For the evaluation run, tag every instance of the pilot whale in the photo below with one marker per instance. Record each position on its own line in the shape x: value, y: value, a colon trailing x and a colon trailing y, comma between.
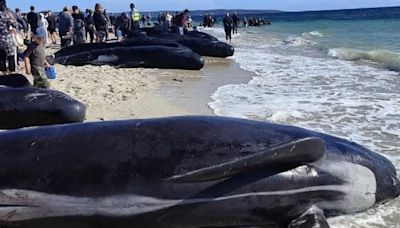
x: 139, y: 52
x: 29, y: 106
x: 190, y: 171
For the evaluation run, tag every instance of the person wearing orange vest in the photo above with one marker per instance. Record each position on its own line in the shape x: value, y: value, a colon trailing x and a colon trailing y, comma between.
x: 135, y: 18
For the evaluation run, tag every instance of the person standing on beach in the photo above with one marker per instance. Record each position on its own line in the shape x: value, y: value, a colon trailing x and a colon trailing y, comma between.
x: 8, y: 24
x: 168, y: 19
x: 143, y: 19
x: 122, y: 26
x: 90, y: 28
x: 135, y: 18
x: 101, y: 23
x: 228, y: 25
x: 35, y: 60
x: 148, y: 19
x: 51, y: 20
x: 22, y: 24
x: 108, y: 23
x: 65, y: 27
x: 79, y: 25
x: 33, y: 19
x: 42, y: 23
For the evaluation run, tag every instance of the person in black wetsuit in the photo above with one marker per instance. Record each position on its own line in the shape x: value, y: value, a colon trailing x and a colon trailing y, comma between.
x: 101, y: 23
x: 33, y: 19
x: 236, y: 22
x: 228, y: 26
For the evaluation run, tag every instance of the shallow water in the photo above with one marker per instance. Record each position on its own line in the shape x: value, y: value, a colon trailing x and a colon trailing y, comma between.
x: 338, y: 77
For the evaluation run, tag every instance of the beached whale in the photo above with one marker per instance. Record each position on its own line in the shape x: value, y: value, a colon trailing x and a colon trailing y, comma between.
x: 138, y: 52
x: 201, y: 43
x: 28, y: 106
x: 163, y: 30
x: 14, y: 80
x: 204, y: 35
x: 185, y: 172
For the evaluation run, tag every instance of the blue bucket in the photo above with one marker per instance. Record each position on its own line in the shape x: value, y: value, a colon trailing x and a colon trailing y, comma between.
x: 50, y: 72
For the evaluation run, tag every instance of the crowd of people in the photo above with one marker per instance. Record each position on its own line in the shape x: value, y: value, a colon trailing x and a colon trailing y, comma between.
x: 231, y: 23
x: 209, y: 21
x: 13, y: 23
x: 35, y: 30
x: 23, y: 36
x: 256, y: 21
x: 75, y: 27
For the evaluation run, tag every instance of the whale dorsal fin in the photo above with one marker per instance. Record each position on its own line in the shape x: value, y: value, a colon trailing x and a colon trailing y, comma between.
x: 281, y: 158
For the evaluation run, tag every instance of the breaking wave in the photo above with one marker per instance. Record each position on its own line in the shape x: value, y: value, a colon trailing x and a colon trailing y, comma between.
x: 385, y: 58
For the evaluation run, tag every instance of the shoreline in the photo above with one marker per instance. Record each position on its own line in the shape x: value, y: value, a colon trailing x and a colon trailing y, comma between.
x: 192, y: 90
x: 117, y: 94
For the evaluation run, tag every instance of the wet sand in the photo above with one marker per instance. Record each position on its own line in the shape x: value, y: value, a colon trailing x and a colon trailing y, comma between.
x: 112, y: 94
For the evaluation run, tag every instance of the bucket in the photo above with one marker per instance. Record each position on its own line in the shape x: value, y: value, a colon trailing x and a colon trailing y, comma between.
x: 50, y: 72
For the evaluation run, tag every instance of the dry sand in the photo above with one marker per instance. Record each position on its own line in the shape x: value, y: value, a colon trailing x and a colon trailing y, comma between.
x: 112, y: 94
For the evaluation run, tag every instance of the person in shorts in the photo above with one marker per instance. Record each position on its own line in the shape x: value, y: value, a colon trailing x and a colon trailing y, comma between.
x: 35, y: 60
x: 51, y: 19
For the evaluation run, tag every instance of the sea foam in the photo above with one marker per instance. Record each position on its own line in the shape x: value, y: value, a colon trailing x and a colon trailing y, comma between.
x: 348, y: 93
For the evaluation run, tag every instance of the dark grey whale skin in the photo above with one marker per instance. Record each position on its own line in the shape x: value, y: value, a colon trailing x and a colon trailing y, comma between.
x: 158, y: 158
x: 14, y: 80
x: 28, y: 106
x: 138, y: 52
x: 199, y: 42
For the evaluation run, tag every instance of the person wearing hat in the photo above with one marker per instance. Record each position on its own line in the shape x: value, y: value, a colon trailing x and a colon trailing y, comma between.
x: 35, y: 59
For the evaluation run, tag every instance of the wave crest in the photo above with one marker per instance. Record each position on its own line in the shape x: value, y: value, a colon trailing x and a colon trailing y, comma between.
x: 386, y: 58
x: 313, y: 33
x: 298, y: 41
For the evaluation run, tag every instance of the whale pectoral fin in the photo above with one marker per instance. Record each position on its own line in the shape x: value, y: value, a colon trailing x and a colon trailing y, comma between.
x: 278, y: 159
x: 313, y: 217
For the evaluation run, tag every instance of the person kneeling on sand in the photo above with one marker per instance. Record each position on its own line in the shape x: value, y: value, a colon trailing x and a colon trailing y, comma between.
x: 35, y: 60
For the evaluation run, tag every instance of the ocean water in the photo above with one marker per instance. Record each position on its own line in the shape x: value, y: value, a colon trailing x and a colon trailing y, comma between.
x: 336, y: 76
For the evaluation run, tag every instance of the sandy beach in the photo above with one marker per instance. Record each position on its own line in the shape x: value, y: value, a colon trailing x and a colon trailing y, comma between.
x: 111, y: 94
